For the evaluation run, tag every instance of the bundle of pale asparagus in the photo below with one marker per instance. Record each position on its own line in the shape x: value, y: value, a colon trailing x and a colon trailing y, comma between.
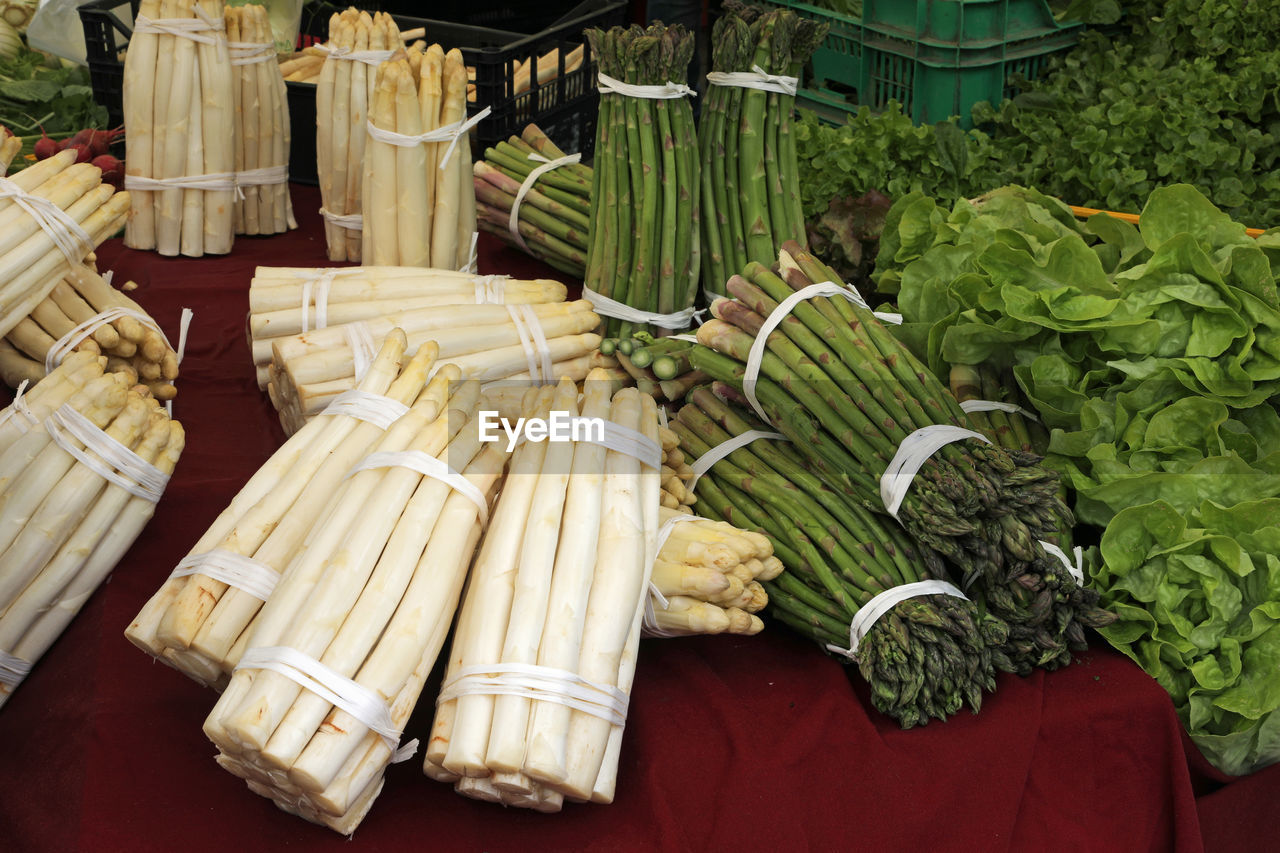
x: 358, y: 43
x: 52, y: 215
x: 419, y: 204
x: 315, y: 709
x: 534, y: 698
x: 84, y: 313
x: 305, y: 66
x: 288, y: 301
x: 707, y: 578
x: 83, y: 459
x: 199, y: 620
x: 178, y: 107
x: 553, y: 214
x: 677, y: 475
x: 262, y: 127
x: 535, y: 343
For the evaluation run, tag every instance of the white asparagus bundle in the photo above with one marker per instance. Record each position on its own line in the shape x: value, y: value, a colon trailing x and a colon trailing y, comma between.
x: 36, y: 254
x: 483, y: 341
x: 677, y: 474
x: 66, y: 520
x: 178, y: 102
x: 370, y: 599
x: 199, y: 622
x: 85, y: 313
x: 357, y: 43
x: 553, y: 611
x: 418, y: 192
x: 288, y: 301
x: 262, y: 130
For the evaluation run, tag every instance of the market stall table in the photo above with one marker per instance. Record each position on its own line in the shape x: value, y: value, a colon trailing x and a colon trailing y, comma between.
x: 759, y: 743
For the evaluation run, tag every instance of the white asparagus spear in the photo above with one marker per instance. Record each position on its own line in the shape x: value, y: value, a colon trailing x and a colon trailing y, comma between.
x: 193, y: 199
x: 169, y: 201
x: 324, y: 132
x: 340, y: 121
x: 548, y: 731
x: 233, y: 17
x: 360, y: 100
x: 412, y: 171
x: 453, y: 108
x: 214, y: 63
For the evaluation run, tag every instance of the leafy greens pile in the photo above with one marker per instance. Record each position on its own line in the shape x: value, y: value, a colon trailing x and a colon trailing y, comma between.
x: 38, y: 94
x: 1153, y: 352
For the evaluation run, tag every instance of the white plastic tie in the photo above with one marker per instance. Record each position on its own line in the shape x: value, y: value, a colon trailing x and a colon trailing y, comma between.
x: 357, y: 700
x: 664, y: 92
x: 450, y: 133
x: 68, y: 342
x: 197, y: 29
x: 756, y: 78
x: 491, y: 289
x: 349, y: 221
x: 317, y: 288
x: 13, y: 669
x: 265, y: 176
x: 251, y: 52
x: 543, y: 683
x: 607, y: 307
x: 372, y: 58
x: 996, y: 406
x: 913, y: 452
x: 214, y: 182
x: 19, y: 412
x: 1075, y: 569
x: 72, y: 240
x: 756, y: 355
x: 627, y: 441
x: 881, y: 604
x: 363, y: 351
x: 513, y: 221
x: 367, y: 406
x: 235, y: 570
x: 473, y: 257
x: 703, y: 463
x: 428, y: 466
x: 114, y: 462
x: 533, y: 342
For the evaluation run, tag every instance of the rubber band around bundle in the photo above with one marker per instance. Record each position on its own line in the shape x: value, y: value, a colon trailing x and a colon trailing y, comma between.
x: 213, y: 182
x: 235, y: 570
x: 912, y: 453
x: 542, y: 683
x: 755, y: 356
x: 614, y: 436
x: 756, y: 78
x: 336, y: 689
x: 349, y: 221
x: 13, y: 669
x: 321, y: 284
x: 68, y: 342
x: 251, y: 52
x: 450, y: 133
x: 19, y: 407
x: 533, y: 342
x: 363, y: 351
x: 996, y: 406
x: 372, y: 58
x: 513, y: 221
x: 882, y: 603
x: 703, y: 463
x: 263, y: 177
x: 376, y: 409
x: 114, y: 462
x: 606, y: 307
x: 194, y: 29
x: 1076, y: 569
x: 664, y: 92
x: 491, y: 289
x: 473, y: 257
x: 428, y: 466
x: 72, y: 240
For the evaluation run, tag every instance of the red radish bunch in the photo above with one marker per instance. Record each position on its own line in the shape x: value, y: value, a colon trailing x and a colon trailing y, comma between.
x: 88, y: 144
x: 112, y: 170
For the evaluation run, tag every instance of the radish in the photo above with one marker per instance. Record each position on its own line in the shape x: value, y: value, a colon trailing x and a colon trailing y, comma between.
x: 112, y: 170
x: 46, y: 146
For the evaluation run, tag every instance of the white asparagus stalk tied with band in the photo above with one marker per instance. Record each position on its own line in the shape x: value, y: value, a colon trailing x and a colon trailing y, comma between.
x: 84, y: 458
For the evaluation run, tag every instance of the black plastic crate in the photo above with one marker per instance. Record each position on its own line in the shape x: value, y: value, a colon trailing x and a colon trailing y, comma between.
x: 105, y: 35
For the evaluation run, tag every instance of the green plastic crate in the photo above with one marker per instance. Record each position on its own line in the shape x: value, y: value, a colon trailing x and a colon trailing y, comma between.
x: 936, y: 57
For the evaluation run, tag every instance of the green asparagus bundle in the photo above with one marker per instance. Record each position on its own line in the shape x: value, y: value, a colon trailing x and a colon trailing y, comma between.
x: 553, y: 216
x: 644, y: 239
x: 839, y: 385
x: 994, y: 412
x: 659, y: 366
x: 926, y: 656
x: 750, y: 201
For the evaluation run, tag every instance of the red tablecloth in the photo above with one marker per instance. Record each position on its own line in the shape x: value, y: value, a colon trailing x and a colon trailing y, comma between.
x: 736, y: 744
